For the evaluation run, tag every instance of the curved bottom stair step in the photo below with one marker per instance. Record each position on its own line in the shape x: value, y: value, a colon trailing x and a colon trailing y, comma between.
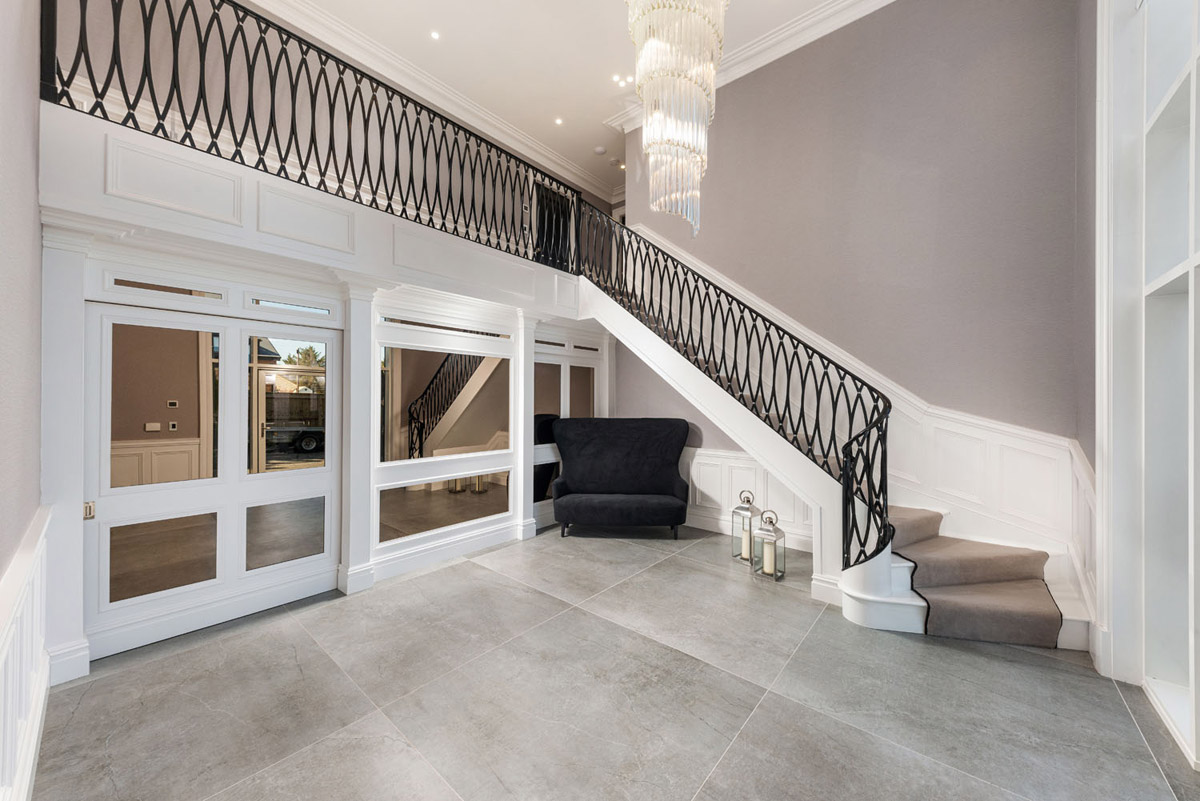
x: 1016, y: 612
x: 947, y: 560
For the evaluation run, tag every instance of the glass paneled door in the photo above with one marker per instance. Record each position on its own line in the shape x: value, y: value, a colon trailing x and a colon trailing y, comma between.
x: 212, y: 459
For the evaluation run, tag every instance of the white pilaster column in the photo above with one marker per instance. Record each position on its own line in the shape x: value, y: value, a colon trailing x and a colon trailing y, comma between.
x: 523, y: 426
x: 360, y: 389
x: 64, y: 339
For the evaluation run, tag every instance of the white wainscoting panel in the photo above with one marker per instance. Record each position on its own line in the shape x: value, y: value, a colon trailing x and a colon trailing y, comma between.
x: 717, y: 477
x: 137, y: 462
x: 300, y: 218
x: 143, y: 175
x: 24, y: 664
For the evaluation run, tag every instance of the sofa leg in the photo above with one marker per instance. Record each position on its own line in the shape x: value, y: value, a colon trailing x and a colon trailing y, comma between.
x: 565, y: 526
x: 675, y: 531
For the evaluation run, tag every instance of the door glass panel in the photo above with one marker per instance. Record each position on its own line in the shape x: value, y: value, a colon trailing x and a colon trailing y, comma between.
x: 404, y: 511
x: 281, y: 532
x: 287, y: 404
x: 164, y: 405
x: 583, y: 391
x: 161, y: 555
x: 547, y: 388
x: 434, y: 403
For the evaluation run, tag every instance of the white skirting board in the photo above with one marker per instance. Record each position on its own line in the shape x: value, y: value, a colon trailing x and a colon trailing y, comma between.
x: 24, y: 665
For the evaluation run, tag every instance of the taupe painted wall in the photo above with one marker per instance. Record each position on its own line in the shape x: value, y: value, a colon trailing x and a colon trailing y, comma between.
x: 21, y: 265
x: 151, y: 366
x: 641, y: 393
x: 1085, y: 231
x: 906, y: 187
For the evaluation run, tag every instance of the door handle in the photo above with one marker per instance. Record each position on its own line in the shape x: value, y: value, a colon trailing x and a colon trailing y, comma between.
x: 262, y: 430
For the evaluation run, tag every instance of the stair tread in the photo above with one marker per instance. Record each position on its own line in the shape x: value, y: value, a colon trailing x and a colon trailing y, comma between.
x: 944, y: 561
x: 913, y: 524
x: 1019, y: 612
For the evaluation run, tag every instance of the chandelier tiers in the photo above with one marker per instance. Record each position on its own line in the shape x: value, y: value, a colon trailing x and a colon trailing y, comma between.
x: 679, y: 45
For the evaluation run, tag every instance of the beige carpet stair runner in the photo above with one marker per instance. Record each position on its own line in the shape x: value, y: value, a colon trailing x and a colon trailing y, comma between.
x: 976, y: 591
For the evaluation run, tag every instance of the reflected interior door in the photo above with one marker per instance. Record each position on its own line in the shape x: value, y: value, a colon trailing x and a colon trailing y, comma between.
x: 287, y: 404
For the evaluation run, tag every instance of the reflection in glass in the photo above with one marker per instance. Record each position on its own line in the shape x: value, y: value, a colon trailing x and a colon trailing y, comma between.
x: 281, y: 532
x: 583, y: 391
x: 547, y: 388
x: 404, y: 511
x: 164, y: 405
x: 287, y: 404
x: 435, y: 403
x: 160, y: 555
x: 543, y: 477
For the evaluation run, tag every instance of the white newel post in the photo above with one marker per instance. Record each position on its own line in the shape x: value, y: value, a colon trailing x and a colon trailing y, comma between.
x: 63, y: 343
x: 522, y: 426
x: 359, y: 441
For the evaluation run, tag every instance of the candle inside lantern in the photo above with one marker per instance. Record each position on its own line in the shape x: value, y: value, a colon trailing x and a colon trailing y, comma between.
x: 768, y: 558
x: 745, y: 538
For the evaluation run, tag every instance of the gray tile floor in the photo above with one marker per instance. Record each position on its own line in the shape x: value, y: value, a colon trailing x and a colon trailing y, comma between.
x: 607, y: 665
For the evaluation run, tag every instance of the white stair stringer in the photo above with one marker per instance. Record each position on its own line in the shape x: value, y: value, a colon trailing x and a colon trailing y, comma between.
x: 461, y: 403
x: 791, y: 467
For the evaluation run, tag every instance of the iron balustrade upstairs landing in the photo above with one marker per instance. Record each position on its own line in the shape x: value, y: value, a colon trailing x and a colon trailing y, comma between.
x: 222, y: 79
x: 428, y: 408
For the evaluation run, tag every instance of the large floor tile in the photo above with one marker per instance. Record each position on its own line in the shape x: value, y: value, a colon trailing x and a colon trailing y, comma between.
x: 1184, y: 780
x: 187, y: 725
x: 1044, y: 728
x: 578, y: 708
x: 366, y: 761
x: 744, y: 625
x: 715, y: 551
x: 656, y: 537
x: 788, y: 751
x: 570, y: 568
x: 400, y: 634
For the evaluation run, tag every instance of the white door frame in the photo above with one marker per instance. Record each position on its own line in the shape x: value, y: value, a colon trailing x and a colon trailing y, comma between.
x: 114, y: 627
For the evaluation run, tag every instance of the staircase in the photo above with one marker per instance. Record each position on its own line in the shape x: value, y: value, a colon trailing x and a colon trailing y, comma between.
x: 811, y: 422
x: 976, y: 590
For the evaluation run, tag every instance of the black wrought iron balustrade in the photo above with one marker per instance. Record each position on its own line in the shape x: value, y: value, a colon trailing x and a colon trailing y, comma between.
x: 219, y: 78
x: 831, y: 415
x: 428, y: 409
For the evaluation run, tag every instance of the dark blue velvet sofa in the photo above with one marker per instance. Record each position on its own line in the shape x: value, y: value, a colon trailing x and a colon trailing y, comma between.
x: 620, y: 472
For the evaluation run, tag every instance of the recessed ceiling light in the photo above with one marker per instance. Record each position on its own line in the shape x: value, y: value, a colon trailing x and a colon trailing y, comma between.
x: 622, y: 84
x: 434, y: 35
x: 622, y: 166
x: 628, y: 79
x: 558, y: 121
x: 616, y: 78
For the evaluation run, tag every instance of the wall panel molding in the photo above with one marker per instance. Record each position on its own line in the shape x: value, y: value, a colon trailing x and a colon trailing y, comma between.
x: 24, y: 664
x: 143, y: 175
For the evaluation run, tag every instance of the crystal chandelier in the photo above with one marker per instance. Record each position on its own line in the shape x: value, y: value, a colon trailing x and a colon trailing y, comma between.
x: 679, y: 45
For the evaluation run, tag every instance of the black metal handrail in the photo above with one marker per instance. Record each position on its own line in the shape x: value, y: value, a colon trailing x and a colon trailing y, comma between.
x: 215, y: 76
x: 444, y: 387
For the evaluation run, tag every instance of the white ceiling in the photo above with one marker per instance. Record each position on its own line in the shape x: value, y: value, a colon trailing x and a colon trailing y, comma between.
x: 521, y: 64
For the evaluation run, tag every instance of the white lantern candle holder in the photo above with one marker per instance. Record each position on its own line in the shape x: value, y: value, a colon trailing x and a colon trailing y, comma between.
x: 743, y: 526
x: 770, y: 553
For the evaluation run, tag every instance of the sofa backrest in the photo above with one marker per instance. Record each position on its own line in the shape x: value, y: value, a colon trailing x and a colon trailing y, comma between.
x: 633, y: 456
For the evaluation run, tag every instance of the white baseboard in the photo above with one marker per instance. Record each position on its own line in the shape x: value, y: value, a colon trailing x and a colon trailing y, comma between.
x: 70, y: 661
x: 355, y: 579
x: 24, y: 664
x: 426, y: 554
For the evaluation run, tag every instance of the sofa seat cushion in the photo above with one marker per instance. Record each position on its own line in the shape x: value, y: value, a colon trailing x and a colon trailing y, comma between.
x: 620, y: 510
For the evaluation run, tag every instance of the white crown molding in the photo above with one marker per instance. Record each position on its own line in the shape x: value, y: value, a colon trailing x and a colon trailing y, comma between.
x: 618, y: 195
x: 792, y: 35
x: 319, y: 26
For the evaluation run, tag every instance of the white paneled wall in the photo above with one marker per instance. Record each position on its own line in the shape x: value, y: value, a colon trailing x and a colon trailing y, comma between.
x: 24, y: 665
x: 716, y: 477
